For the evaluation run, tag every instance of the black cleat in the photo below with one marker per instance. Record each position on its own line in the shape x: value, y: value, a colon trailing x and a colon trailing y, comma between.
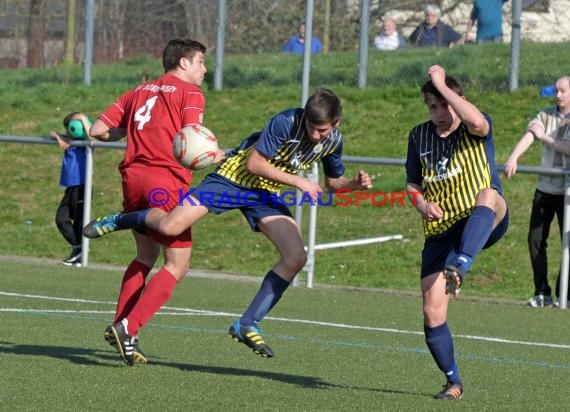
x: 138, y: 355
x: 124, y: 343
x: 451, y: 392
x: 252, y: 337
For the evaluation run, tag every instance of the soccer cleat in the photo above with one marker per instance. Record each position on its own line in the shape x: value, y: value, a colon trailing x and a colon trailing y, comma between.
x: 138, y: 355
x: 252, y: 337
x: 540, y: 301
x: 101, y: 226
x: 124, y: 343
x: 451, y: 392
x: 453, y: 280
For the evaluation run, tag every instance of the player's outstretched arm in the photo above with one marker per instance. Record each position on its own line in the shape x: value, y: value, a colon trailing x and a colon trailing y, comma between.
x: 361, y: 180
x: 101, y: 131
x: 521, y: 147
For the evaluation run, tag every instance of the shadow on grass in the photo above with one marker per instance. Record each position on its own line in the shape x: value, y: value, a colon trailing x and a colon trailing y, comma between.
x: 74, y: 355
x: 90, y: 357
x: 302, y: 381
x: 307, y: 382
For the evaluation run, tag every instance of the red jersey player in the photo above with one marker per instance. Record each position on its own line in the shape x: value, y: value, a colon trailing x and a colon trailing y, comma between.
x: 150, y: 115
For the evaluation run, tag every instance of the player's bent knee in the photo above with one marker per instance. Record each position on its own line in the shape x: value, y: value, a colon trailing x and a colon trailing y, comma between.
x: 294, y: 262
x: 298, y: 260
x: 486, y: 196
x: 434, y: 318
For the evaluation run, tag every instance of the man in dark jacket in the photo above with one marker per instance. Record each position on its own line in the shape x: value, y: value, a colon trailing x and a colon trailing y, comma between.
x: 433, y: 32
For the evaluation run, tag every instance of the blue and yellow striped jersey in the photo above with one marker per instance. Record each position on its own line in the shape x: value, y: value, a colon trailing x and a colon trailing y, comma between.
x: 284, y: 142
x: 451, y: 170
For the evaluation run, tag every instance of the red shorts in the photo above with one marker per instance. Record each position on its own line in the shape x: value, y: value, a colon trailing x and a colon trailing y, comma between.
x: 146, y: 187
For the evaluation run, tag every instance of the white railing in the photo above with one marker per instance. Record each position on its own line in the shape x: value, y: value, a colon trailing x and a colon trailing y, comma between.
x: 312, y: 247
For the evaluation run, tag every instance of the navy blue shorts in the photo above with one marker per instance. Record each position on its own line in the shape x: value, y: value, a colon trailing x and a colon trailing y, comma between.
x: 220, y: 195
x: 440, y: 250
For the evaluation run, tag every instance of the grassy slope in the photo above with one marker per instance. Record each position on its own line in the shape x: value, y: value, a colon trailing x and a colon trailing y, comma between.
x: 376, y: 122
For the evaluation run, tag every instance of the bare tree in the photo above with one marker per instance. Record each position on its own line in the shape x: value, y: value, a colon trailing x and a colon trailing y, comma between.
x: 68, y: 55
x: 200, y: 19
x: 109, y: 39
x: 35, y: 34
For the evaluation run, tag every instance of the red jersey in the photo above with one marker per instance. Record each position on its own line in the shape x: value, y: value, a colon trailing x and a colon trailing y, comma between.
x: 153, y: 113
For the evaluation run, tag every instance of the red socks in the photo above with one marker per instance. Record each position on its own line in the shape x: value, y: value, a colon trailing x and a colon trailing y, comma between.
x: 131, y: 288
x: 156, y: 293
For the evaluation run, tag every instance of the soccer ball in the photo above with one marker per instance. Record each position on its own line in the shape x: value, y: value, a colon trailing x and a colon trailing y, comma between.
x: 195, y: 147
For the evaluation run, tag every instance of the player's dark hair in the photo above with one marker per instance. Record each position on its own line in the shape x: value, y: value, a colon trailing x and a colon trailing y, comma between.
x: 179, y: 48
x: 430, y: 93
x: 323, y: 107
x: 68, y: 118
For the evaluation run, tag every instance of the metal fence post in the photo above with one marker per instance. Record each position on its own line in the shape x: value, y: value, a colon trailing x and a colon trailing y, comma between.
x: 363, y: 44
x: 314, y: 177
x: 88, y: 59
x: 307, y: 52
x: 515, y: 46
x: 88, y: 191
x: 564, y: 265
x: 298, y: 219
x: 220, y: 34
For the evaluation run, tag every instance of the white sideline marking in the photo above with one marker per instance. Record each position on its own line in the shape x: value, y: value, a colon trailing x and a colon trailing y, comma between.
x: 96, y: 312
x: 189, y: 311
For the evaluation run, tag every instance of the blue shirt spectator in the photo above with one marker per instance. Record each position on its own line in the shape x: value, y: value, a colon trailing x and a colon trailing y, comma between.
x: 296, y: 44
x: 489, y: 17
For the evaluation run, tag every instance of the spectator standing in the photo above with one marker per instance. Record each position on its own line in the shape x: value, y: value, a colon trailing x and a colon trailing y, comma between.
x: 389, y: 38
x: 489, y: 17
x: 552, y: 127
x: 296, y: 44
x: 69, y: 214
x: 433, y: 32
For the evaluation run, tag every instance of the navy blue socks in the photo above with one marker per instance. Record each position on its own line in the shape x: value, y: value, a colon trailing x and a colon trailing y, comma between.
x: 269, y: 293
x: 133, y: 220
x: 475, y: 234
x: 440, y: 344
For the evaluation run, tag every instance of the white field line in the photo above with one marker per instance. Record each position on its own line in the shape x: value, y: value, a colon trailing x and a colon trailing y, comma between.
x: 173, y: 311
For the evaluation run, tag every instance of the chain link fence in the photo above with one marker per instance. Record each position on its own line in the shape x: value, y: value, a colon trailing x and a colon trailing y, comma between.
x: 48, y: 33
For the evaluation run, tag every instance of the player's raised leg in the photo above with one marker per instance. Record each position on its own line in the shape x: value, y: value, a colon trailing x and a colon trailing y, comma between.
x: 490, y: 210
x: 119, y: 221
x: 170, y: 223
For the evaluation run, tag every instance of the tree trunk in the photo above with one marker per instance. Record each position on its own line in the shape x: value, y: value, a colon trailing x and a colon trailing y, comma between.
x: 68, y: 56
x: 35, y: 54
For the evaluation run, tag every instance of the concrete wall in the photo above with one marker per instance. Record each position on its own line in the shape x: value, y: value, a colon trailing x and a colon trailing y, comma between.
x: 551, y: 26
